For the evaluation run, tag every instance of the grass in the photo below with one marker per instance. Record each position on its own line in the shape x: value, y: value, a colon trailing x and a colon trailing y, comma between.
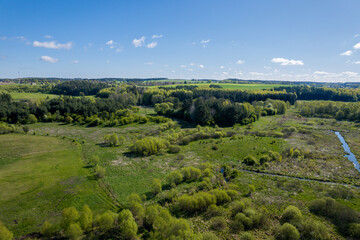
x: 227, y: 86
x: 31, y: 96
x: 39, y: 176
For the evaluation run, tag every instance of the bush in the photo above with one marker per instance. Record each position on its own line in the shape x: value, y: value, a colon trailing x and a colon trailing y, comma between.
x: 32, y: 119
x: 174, y: 177
x: 190, y: 173
x: 69, y: 215
x: 86, y: 218
x: 149, y: 146
x: 127, y: 224
x: 264, y: 159
x: 197, y: 202
x: 5, y: 234
x: 47, y: 229
x: 215, y: 211
x: 314, y: 230
x: 218, y: 223
x: 288, y: 232
x: 291, y: 214
x: 236, y: 207
x: 156, y: 186
x: 247, y: 236
x: 221, y: 196
x: 105, y: 221
x: 209, y: 236
x: 241, y: 222
x: 354, y: 230
x: 250, y: 161
x: 112, y: 140
x: 99, y: 171
x: 74, y: 231
x: 174, y: 149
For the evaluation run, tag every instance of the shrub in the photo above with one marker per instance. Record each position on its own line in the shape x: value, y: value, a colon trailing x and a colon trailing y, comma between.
x: 215, y: 211
x: 156, y: 186
x: 221, y: 196
x: 74, y: 231
x: 127, y: 224
x: 69, y: 215
x: 5, y: 234
x: 264, y: 159
x: 218, y: 223
x: 32, y: 119
x: 190, y: 173
x: 99, y: 171
x: 174, y: 177
x: 241, y: 222
x: 86, y: 218
x: 296, y: 153
x: 148, y: 146
x: 209, y: 236
x: 354, y: 230
x: 288, y: 232
x: 236, y: 207
x: 291, y: 214
x: 250, y: 161
x: 174, y: 149
x: 197, y: 202
x: 47, y: 229
x: 111, y: 140
x: 247, y: 236
x: 105, y: 221
x: 314, y: 230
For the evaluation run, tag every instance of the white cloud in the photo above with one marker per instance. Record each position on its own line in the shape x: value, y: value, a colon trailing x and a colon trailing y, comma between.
x: 256, y: 74
x: 225, y: 73
x: 151, y: 45
x: 347, y: 53
x: 205, y: 41
x: 53, y: 45
x: 240, y: 61
x: 48, y: 59
x: 118, y: 50
x: 356, y: 35
x: 357, y: 46
x: 75, y: 61
x: 21, y: 38
x: 149, y: 63
x: 183, y: 66
x: 138, y: 42
x: 48, y: 36
x: 192, y: 64
x: 350, y: 74
x: 321, y: 73
x: 201, y: 66
x: 222, y: 67
x: 287, y: 62
x: 110, y: 42
x: 156, y: 36
x: 357, y: 62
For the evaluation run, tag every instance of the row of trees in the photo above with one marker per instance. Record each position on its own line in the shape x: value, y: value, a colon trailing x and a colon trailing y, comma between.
x: 330, y: 109
x: 78, y: 87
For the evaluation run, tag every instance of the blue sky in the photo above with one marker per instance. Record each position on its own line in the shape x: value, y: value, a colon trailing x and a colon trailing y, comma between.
x: 315, y: 40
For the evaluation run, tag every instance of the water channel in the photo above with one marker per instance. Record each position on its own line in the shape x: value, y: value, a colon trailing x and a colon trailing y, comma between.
x: 349, y: 154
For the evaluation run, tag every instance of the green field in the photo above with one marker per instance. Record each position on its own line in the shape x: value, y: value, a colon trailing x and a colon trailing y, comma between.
x: 31, y: 96
x: 227, y: 86
x: 39, y: 176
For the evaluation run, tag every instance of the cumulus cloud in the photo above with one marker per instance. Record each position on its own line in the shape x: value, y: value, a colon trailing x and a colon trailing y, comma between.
x: 357, y: 62
x: 48, y: 36
x: 350, y: 74
x: 53, y: 45
x: 201, y: 66
x: 222, y: 67
x: 183, y: 66
x: 149, y: 63
x: 347, y: 53
x: 156, y: 36
x: 151, y: 45
x: 357, y: 46
x: 321, y: 73
x: 119, y: 50
x: 256, y: 74
x: 138, y: 42
x: 110, y: 42
x: 205, y: 41
x: 48, y: 59
x: 21, y: 38
x: 75, y: 61
x: 287, y: 62
x: 240, y: 61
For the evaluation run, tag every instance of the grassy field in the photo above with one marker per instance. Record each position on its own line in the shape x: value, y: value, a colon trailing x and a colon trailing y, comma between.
x: 39, y: 176
x: 227, y: 86
x: 31, y: 96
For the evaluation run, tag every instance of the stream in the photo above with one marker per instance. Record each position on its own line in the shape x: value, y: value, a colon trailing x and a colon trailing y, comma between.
x: 349, y: 154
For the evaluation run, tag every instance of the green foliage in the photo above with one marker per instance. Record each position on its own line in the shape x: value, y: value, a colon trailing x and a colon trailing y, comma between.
x: 112, y: 140
x: 32, y: 119
x: 69, y: 215
x: 291, y: 214
x: 197, y: 202
x: 218, y: 223
x: 247, y: 236
x: 354, y: 230
x: 105, y: 221
x: 314, y: 230
x: 5, y: 234
x: 250, y: 161
x: 174, y: 149
x: 127, y: 224
x: 74, y: 231
x: 149, y: 146
x: 47, y: 229
x: 86, y: 218
x: 174, y: 177
x: 156, y: 186
x: 190, y: 173
x: 209, y: 236
x: 99, y: 171
x: 237, y: 207
x: 221, y: 196
x: 288, y: 232
x: 241, y: 222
